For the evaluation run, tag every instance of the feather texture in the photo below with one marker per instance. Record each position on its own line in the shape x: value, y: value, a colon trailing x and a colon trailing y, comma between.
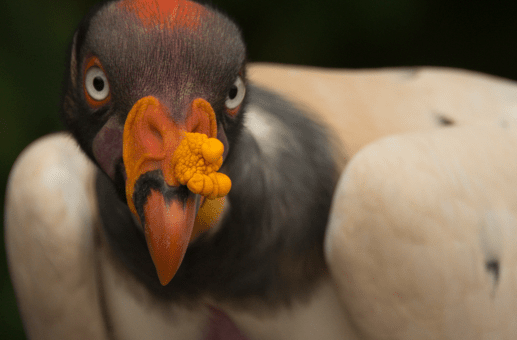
x: 421, y: 238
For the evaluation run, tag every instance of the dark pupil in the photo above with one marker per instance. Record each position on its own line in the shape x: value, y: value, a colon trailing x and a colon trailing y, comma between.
x: 233, y: 92
x: 98, y: 83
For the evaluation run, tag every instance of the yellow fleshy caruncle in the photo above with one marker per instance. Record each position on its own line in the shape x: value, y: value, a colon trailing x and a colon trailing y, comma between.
x: 195, y: 163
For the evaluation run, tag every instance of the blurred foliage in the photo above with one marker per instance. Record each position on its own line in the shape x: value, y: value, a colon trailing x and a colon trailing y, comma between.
x: 330, y: 33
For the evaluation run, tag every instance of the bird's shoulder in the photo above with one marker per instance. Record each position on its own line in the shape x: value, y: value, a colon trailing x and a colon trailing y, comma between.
x: 362, y: 105
x: 421, y: 221
x: 49, y: 232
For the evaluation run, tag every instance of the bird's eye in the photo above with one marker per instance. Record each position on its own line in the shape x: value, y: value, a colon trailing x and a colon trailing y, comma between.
x: 236, y: 94
x: 96, y: 84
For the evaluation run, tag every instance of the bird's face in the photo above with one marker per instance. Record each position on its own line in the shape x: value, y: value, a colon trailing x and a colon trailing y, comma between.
x: 143, y: 73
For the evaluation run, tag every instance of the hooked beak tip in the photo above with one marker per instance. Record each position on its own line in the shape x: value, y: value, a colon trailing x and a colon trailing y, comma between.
x: 168, y: 225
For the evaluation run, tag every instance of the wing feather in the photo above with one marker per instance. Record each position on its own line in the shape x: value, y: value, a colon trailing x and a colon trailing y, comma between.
x: 49, y: 232
x: 422, y: 235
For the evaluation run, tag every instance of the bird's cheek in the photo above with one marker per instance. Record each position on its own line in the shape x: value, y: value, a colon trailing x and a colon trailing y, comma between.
x: 107, y: 146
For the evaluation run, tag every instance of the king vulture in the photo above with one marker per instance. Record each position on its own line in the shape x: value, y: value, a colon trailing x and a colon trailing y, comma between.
x: 107, y: 238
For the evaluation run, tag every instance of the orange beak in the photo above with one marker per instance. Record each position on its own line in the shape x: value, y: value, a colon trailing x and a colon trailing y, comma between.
x: 166, y: 210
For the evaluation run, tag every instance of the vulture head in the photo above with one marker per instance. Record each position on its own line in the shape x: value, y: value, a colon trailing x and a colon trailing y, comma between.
x: 151, y: 86
x: 143, y: 74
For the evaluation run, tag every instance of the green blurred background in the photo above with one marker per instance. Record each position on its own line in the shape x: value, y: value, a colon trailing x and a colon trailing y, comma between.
x: 331, y: 33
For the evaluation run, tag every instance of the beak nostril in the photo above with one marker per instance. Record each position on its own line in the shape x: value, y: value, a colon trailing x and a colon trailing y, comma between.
x: 201, y: 118
x: 156, y: 133
x: 195, y: 125
x: 150, y: 132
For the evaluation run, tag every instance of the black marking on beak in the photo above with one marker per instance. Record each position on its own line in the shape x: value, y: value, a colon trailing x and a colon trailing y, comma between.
x: 154, y: 180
